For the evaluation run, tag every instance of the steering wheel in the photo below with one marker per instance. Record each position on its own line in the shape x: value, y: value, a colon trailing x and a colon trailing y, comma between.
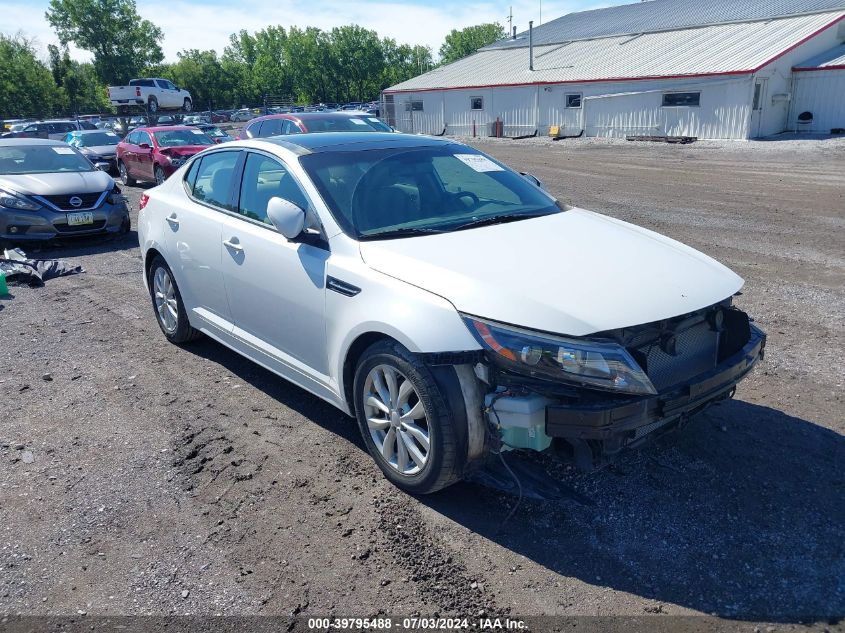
x: 467, y: 194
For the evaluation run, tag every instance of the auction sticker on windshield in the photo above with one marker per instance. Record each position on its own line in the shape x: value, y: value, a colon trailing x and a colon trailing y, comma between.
x: 78, y: 219
x: 479, y: 163
x: 63, y: 150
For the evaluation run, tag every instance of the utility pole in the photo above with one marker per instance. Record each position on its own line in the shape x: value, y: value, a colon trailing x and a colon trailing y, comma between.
x: 540, y: 21
x: 510, y: 21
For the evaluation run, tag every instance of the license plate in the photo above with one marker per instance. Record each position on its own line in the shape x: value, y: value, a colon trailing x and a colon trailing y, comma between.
x: 78, y: 219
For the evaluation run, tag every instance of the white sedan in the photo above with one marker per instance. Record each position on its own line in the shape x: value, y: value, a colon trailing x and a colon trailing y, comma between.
x: 450, y: 304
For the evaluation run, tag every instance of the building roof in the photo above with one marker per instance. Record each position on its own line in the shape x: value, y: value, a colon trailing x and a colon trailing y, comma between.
x: 830, y: 60
x: 664, y: 15
x: 728, y: 49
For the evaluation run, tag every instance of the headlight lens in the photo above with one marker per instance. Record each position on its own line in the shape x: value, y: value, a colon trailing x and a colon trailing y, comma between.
x: 597, y: 364
x: 116, y: 195
x: 17, y: 202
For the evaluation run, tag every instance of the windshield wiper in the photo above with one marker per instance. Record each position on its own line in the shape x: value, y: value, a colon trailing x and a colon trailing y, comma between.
x: 497, y: 219
x: 405, y: 232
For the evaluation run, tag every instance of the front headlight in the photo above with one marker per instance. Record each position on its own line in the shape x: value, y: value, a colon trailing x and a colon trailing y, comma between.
x: 17, y: 202
x: 116, y: 195
x: 596, y: 364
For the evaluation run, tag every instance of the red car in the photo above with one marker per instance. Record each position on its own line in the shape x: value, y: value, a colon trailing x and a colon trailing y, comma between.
x: 151, y: 154
x: 302, y: 122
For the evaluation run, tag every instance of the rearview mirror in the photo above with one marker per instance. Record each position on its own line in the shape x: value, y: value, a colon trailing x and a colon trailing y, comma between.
x: 288, y: 218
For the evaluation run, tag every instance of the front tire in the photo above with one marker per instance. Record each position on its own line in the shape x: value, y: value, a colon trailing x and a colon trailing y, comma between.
x: 404, y: 419
x: 187, y: 105
x: 167, y: 302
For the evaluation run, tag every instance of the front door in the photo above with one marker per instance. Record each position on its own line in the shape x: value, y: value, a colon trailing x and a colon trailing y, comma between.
x: 143, y: 163
x: 276, y: 288
x: 758, y: 99
x: 194, y: 234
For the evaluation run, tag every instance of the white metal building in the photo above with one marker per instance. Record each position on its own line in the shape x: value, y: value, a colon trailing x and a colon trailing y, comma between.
x: 722, y: 69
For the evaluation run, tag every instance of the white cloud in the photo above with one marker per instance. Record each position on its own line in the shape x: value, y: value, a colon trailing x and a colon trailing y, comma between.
x: 190, y: 24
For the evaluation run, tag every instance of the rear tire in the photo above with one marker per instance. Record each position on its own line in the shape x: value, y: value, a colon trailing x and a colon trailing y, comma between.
x: 125, y: 178
x: 405, y: 420
x: 168, y: 306
x: 152, y: 105
x: 187, y: 105
x: 158, y: 173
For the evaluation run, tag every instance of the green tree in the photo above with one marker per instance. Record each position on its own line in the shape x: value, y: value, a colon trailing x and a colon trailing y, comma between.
x: 81, y: 90
x: 121, y: 42
x: 202, y: 73
x: 465, y: 42
x: 27, y: 87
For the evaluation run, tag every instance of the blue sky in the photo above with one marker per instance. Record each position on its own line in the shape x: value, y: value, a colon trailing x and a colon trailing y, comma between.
x: 206, y: 24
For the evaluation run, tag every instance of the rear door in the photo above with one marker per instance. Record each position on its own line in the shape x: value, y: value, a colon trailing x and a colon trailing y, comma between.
x: 194, y: 237
x: 276, y: 287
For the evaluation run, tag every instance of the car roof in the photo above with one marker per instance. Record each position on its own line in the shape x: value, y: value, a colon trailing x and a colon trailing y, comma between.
x: 353, y: 141
x: 84, y: 132
x: 11, y: 142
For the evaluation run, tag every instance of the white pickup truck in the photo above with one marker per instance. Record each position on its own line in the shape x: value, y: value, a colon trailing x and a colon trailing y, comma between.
x: 156, y: 94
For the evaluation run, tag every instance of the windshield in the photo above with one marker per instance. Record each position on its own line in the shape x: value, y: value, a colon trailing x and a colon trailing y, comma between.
x: 382, y: 193
x: 177, y: 138
x: 41, y: 159
x: 214, y: 131
x: 337, y: 124
x: 96, y: 139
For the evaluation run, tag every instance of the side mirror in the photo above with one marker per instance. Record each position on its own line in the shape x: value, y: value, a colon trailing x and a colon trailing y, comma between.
x: 532, y: 179
x: 288, y: 218
x: 144, y: 146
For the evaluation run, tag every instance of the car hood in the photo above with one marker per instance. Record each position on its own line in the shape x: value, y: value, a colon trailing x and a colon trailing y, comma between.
x: 100, y: 150
x: 57, y: 183
x: 574, y: 273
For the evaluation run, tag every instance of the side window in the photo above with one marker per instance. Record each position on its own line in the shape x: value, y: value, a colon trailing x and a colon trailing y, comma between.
x: 265, y: 178
x: 292, y: 128
x: 252, y: 130
x: 573, y: 100
x: 191, y: 175
x: 271, y: 127
x: 214, y: 177
x: 31, y: 128
x: 143, y: 137
x: 132, y: 139
x: 476, y: 103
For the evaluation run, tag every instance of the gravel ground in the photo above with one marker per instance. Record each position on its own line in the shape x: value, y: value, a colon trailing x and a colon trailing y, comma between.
x: 144, y: 478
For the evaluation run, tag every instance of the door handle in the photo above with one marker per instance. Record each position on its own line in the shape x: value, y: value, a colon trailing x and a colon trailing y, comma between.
x: 172, y: 219
x: 234, y: 244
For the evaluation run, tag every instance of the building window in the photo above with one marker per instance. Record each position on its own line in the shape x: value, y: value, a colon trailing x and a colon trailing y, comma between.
x: 417, y: 106
x: 689, y: 99
x: 573, y: 100
x: 476, y: 103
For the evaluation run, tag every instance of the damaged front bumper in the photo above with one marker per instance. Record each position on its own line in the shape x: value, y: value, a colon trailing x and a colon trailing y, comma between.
x: 597, y: 431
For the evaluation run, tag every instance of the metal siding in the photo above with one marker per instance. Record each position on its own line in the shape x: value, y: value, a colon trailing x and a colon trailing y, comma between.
x: 823, y: 94
x: 721, y: 49
x: 662, y: 15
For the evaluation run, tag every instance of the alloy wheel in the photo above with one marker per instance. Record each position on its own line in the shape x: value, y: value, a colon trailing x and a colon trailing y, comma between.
x: 164, y: 294
x: 397, y: 420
